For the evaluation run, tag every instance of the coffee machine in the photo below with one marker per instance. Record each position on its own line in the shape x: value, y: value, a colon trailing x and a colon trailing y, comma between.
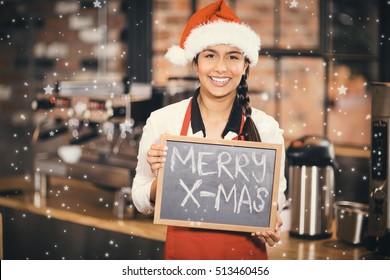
x: 379, y: 204
x: 102, y: 118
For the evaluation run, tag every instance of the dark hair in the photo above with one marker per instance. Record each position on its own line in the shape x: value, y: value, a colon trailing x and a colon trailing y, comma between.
x: 249, y: 130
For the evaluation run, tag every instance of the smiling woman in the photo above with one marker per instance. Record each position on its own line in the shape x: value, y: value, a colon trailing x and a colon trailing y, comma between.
x: 222, y: 49
x: 220, y: 69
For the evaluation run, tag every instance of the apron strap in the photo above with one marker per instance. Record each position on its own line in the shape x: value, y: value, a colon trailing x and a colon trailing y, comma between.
x: 240, y: 136
x: 187, y: 120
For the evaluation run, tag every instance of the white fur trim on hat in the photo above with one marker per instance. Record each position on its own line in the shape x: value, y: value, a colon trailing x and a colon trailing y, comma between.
x: 177, y: 55
x: 214, y: 33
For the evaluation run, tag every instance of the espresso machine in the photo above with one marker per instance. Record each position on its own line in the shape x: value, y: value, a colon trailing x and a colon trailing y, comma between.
x: 95, y: 116
x: 379, y: 204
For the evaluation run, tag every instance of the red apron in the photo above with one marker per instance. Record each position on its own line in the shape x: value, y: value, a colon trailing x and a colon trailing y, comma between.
x: 184, y: 243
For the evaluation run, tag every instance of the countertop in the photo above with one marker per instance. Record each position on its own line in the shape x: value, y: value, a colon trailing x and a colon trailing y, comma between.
x: 84, y: 203
x: 292, y: 248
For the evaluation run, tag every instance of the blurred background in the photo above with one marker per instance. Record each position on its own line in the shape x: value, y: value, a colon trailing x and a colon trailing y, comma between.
x: 90, y: 72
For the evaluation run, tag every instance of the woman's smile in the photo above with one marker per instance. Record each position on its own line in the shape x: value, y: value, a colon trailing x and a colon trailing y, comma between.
x: 220, y: 81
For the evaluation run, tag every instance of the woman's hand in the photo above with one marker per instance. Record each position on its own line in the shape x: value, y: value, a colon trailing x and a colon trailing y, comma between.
x: 270, y: 237
x: 156, y: 157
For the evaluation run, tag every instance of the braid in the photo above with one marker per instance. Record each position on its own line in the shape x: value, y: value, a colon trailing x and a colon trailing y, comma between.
x: 249, y: 130
x: 243, y: 95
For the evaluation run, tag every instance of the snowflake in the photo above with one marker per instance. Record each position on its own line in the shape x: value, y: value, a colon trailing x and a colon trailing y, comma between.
x: 97, y: 4
x: 126, y: 126
x: 342, y: 90
x: 293, y: 4
x: 48, y: 89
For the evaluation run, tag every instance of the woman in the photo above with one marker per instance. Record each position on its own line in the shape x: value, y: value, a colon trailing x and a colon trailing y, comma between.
x: 221, y: 49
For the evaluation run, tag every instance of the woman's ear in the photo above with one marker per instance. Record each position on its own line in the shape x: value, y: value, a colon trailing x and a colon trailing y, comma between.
x: 195, y: 66
x: 246, y: 65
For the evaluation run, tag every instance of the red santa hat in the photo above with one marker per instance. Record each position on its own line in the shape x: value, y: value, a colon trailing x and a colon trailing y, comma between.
x: 213, y: 25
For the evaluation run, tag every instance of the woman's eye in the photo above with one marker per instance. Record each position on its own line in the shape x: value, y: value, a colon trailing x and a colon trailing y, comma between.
x: 210, y: 55
x: 233, y: 57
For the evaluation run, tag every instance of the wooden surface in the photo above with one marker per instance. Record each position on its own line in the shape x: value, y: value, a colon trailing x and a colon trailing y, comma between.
x: 83, y: 203
x: 290, y: 248
x: 79, y: 202
x: 1, y: 237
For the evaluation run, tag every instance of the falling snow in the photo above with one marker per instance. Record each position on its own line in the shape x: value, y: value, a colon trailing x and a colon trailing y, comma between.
x: 293, y: 4
x: 342, y: 90
x: 97, y: 4
x: 48, y: 89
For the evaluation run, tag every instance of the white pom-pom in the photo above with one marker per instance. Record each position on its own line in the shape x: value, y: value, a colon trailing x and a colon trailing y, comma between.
x: 177, y: 55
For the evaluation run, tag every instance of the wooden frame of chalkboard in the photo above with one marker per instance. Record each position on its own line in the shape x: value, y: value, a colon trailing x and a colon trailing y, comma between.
x: 218, y: 184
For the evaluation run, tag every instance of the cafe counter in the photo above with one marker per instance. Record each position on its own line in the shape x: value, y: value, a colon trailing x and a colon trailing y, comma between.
x: 90, y: 207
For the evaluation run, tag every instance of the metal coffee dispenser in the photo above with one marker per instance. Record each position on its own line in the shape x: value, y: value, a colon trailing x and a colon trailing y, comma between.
x: 311, y: 162
x: 379, y: 207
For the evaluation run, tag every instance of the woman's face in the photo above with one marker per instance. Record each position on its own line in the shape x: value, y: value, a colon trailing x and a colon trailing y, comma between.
x: 220, y: 69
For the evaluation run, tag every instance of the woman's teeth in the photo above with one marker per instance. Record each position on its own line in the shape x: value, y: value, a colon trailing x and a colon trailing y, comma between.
x: 220, y: 80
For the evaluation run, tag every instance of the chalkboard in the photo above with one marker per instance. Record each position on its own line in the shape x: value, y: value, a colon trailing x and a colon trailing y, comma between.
x: 218, y: 184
